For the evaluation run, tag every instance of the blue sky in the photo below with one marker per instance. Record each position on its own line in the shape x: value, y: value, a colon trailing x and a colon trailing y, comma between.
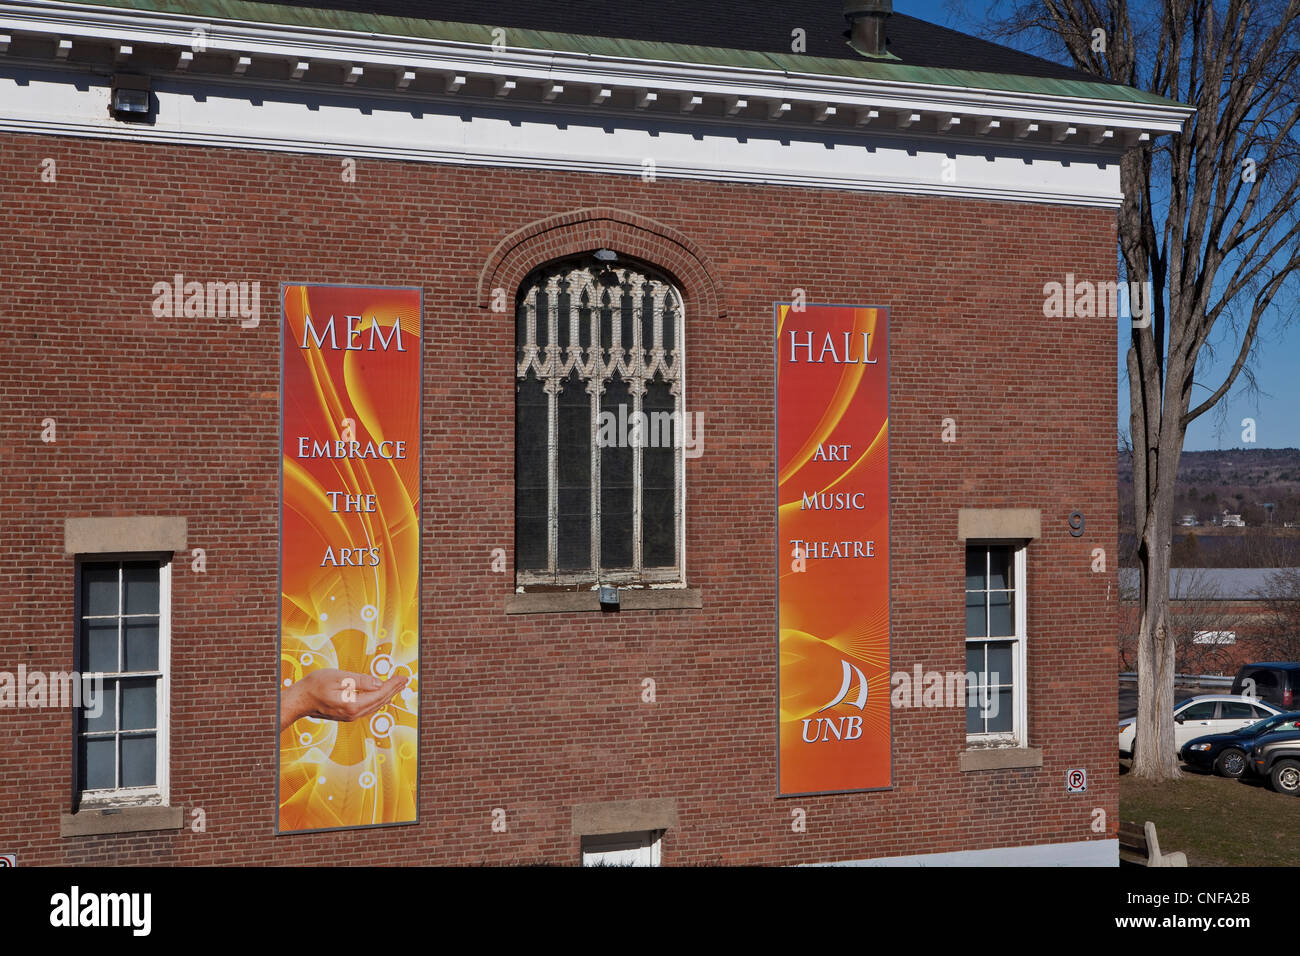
x: 1275, y: 408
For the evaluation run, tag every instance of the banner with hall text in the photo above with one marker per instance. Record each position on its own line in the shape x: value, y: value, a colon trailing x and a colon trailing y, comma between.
x: 349, y: 557
x: 832, y: 461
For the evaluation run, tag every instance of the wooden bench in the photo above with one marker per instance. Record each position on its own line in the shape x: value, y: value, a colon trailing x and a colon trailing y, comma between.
x: 1138, y: 846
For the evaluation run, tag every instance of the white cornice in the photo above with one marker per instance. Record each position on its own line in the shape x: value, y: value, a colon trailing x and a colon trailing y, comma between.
x: 199, y: 112
x: 852, y: 98
x: 283, y: 88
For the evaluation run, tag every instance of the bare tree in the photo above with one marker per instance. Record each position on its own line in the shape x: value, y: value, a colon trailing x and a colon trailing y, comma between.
x: 1280, y: 633
x: 1209, y: 218
x: 1198, y: 622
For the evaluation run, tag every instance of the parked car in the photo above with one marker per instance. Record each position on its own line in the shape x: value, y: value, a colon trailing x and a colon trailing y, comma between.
x: 1198, y: 716
x: 1277, y: 682
x: 1277, y: 757
x: 1227, y: 754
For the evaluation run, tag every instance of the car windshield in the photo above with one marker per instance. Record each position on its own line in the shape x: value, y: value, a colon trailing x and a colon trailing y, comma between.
x: 1268, y: 723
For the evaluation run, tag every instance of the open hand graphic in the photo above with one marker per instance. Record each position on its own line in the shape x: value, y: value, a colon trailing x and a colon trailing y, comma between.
x: 336, y: 695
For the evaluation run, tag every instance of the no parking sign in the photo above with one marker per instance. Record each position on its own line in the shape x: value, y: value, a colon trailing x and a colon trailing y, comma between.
x: 1076, y: 781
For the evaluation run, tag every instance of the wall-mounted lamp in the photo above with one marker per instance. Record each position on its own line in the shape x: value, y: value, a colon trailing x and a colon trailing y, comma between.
x: 608, y: 599
x: 129, y: 98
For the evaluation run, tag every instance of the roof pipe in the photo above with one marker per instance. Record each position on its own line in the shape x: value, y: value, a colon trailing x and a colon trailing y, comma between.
x: 867, y: 25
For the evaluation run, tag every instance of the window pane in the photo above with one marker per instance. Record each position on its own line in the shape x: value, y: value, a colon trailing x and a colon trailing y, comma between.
x: 530, y: 474
x: 974, y: 658
x: 1202, y: 711
x: 141, y: 585
x: 99, y: 647
x: 564, y: 314
x: 606, y: 322
x: 659, y: 511
x: 95, y: 763
x: 573, y: 547
x: 573, y: 550
x: 141, y: 650
x: 1264, y: 681
x: 999, y: 568
x: 624, y: 299
x: 1000, y: 663
x: 976, y: 625
x: 584, y: 325
x: 1003, y: 721
x: 139, y: 704
x: 543, y: 319
x: 98, y: 589
x: 1001, y: 614
x: 616, y: 486
x: 974, y: 722
x: 670, y: 325
x: 647, y: 318
x: 975, y: 558
x: 139, y: 763
x: 658, y: 478
x: 1239, y: 709
x: 107, y: 719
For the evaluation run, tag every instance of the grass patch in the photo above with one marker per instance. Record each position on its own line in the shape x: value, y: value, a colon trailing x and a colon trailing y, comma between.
x: 1214, y: 820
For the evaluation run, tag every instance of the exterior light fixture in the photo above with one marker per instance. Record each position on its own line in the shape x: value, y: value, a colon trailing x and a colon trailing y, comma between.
x: 607, y: 276
x: 608, y: 599
x: 129, y: 98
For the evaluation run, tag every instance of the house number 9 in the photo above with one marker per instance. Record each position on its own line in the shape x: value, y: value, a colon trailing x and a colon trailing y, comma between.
x: 1076, y: 524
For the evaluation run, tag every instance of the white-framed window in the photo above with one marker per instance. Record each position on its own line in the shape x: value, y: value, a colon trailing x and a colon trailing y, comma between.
x: 599, y: 427
x: 995, y: 643
x: 622, y: 849
x: 123, y: 615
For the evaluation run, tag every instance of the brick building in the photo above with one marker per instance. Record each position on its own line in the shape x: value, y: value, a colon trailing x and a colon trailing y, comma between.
x: 1224, y: 617
x: 184, y: 178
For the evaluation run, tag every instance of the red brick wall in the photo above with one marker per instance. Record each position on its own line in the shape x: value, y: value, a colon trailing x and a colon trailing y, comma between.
x: 536, y: 713
x: 1249, y: 620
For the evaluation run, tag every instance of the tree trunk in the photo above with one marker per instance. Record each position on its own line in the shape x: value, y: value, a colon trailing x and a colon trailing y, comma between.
x: 1156, y: 757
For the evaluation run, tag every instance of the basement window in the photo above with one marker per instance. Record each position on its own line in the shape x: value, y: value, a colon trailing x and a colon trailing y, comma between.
x: 622, y: 849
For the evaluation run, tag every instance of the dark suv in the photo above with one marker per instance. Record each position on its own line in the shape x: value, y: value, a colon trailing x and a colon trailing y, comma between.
x: 1277, y: 683
x: 1277, y: 757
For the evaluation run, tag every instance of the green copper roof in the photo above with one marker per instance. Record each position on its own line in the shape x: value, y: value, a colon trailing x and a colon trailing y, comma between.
x: 888, y: 70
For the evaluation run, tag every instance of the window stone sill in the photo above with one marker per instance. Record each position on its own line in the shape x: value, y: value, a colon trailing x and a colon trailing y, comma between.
x: 90, y: 822
x: 1000, y: 758
x: 631, y: 599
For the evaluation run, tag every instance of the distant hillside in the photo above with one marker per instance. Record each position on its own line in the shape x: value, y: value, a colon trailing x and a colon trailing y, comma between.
x: 1261, y: 485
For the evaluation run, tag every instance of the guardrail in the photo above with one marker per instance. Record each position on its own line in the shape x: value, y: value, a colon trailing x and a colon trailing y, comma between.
x: 1187, y: 680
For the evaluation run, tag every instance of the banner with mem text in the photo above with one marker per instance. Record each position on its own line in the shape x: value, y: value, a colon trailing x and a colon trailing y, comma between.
x: 349, y: 557
x: 832, y: 459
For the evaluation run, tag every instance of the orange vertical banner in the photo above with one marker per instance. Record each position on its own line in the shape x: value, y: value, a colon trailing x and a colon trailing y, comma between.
x: 832, y: 457
x: 349, y: 557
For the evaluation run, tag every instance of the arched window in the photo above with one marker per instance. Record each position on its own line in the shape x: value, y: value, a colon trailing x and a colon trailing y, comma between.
x: 598, y: 426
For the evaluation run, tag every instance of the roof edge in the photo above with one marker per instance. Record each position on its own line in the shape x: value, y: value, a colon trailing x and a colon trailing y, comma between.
x: 311, y: 20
